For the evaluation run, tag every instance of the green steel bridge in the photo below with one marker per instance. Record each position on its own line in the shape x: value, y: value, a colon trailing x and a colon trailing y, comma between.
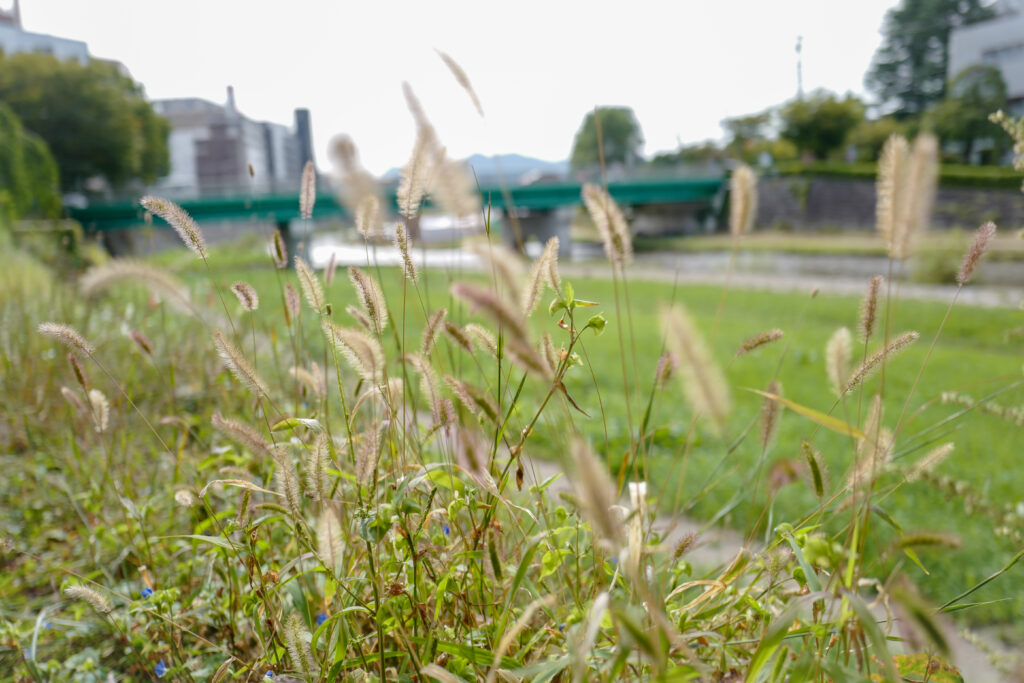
x: 284, y: 208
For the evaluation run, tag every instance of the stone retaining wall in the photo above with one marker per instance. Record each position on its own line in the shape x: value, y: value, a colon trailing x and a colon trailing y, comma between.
x: 798, y: 203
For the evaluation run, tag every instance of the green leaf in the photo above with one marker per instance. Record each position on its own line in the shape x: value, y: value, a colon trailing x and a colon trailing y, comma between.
x: 214, y: 540
x: 827, y: 421
x: 597, y: 323
x: 293, y: 422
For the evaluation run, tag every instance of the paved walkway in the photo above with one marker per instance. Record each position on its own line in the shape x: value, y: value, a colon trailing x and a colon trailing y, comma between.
x: 847, y: 275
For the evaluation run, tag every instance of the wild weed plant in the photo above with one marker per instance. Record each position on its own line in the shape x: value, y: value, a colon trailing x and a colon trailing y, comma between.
x: 353, y: 494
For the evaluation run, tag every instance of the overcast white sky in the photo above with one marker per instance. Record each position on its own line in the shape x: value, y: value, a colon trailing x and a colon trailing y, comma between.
x: 537, y: 65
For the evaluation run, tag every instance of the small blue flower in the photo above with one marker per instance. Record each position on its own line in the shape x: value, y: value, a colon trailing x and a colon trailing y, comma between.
x: 47, y: 624
x: 320, y: 619
x: 146, y: 592
x: 160, y: 669
x: 269, y: 674
x: 446, y: 530
x: 614, y: 560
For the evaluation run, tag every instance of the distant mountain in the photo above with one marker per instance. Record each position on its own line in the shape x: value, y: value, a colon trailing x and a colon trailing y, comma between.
x: 515, y: 168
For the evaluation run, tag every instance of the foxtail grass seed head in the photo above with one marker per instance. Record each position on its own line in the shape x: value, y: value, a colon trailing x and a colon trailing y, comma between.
x: 307, y: 191
x: 510, y: 319
x: 431, y: 331
x: 178, y: 219
x: 142, y: 341
x: 291, y: 303
x: 981, y: 239
x: 332, y: 264
x: 519, y: 351
x: 236, y: 363
x: 815, y: 468
x: 462, y: 79
x: 287, y: 481
x: 185, y: 498
x: 414, y: 105
x: 892, y: 174
x: 550, y: 355
x: 330, y: 543
x: 310, y: 285
x: 361, y: 350
x: 368, y: 216
x: 416, y: 174
x: 545, y: 270
x: 367, y: 450
x: 242, y: 434
x: 246, y: 295
x: 704, y: 385
x: 771, y: 412
x: 67, y: 335
x: 278, y: 251
x: 916, y: 207
x: 72, y: 398
x: 502, y: 264
x: 317, y: 462
x: 370, y: 297
x: 928, y: 463
x: 869, y: 308
x: 99, y: 406
x: 117, y: 271
x: 458, y: 335
x: 596, y: 494
x: 871, y: 364
x: 313, y: 380
x: 78, y: 371
x: 360, y: 318
x: 402, y: 244
x: 429, y: 386
x: 96, y: 600
x: 296, y: 641
x: 610, y: 224
x: 667, y: 365
x: 742, y: 200
x: 838, y: 352
x: 454, y: 189
x: 759, y: 340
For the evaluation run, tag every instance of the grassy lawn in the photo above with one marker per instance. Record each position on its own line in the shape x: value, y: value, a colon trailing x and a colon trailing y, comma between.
x: 104, y: 503
x: 974, y: 355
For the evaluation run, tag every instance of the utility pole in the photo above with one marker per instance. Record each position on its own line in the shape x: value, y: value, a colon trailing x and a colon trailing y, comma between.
x: 799, y: 68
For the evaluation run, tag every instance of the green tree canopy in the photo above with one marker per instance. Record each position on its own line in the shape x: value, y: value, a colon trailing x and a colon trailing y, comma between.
x: 620, y: 133
x: 28, y: 174
x: 93, y: 117
x: 962, y: 117
x: 908, y: 71
x: 869, y: 137
x: 820, y: 123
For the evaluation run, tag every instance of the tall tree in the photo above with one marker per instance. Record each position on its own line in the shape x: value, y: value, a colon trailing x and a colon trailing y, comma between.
x: 28, y: 174
x: 908, y: 71
x: 93, y: 117
x: 620, y: 133
x: 962, y: 117
x: 820, y: 123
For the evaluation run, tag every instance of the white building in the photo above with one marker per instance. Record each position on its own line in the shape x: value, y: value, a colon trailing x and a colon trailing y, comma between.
x: 212, y: 148
x: 15, y: 39
x: 997, y: 42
